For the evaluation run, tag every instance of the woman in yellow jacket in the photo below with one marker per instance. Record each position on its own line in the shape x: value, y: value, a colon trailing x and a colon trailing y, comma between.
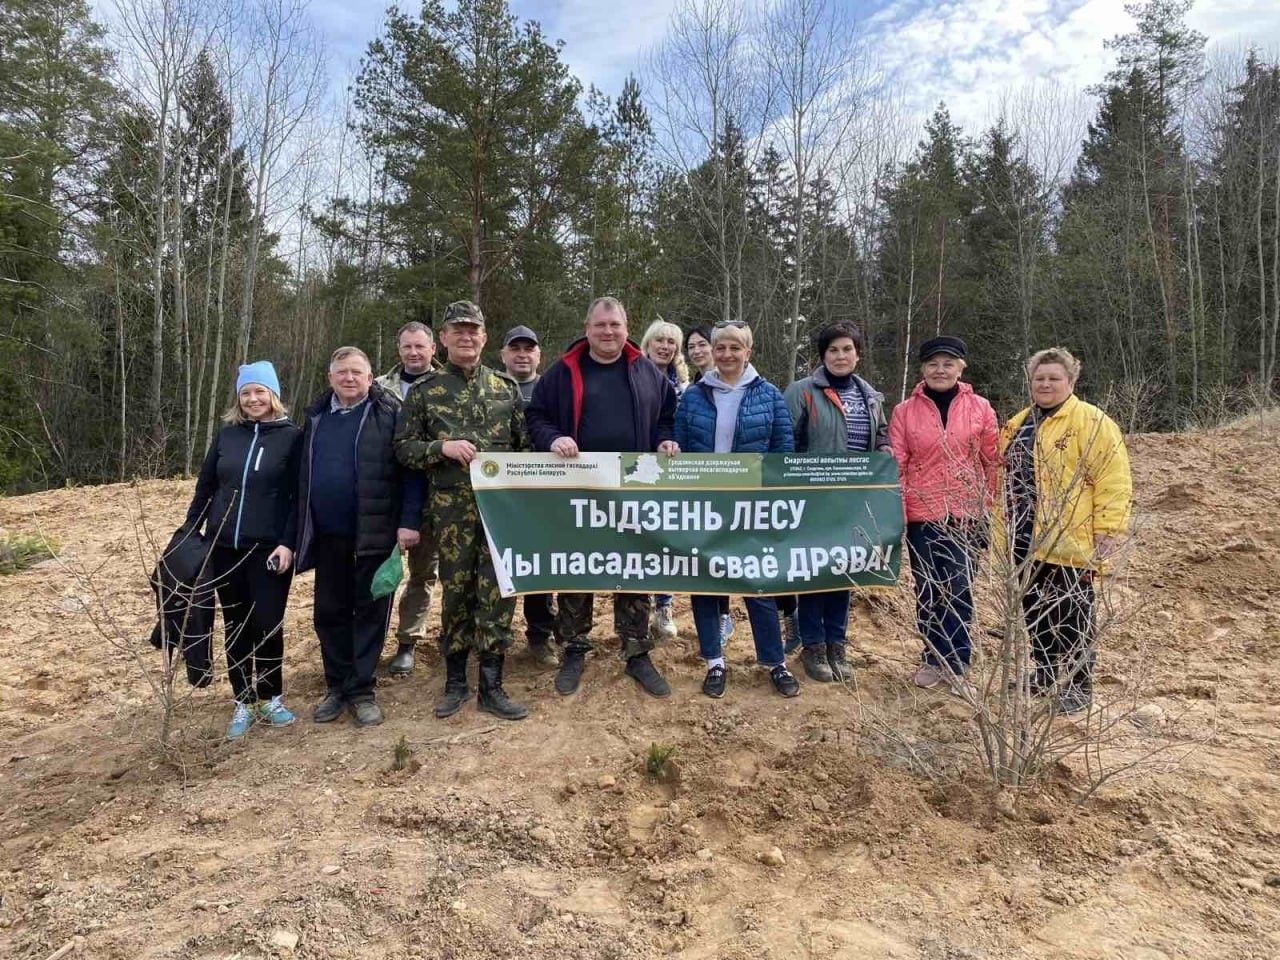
x: 1067, y: 495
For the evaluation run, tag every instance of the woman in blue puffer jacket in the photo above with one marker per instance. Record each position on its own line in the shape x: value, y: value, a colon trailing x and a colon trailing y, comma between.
x: 732, y: 409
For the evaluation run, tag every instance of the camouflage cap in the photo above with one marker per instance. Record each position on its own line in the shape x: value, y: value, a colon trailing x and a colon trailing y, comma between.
x: 463, y: 311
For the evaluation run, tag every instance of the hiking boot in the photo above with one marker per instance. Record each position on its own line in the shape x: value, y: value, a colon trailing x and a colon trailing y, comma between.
x: 493, y: 699
x: 840, y: 667
x: 790, y: 633
x: 715, y: 681
x: 543, y: 654
x: 663, y: 625
x: 456, y: 691
x: 401, y: 664
x: 330, y: 708
x: 570, y: 674
x: 368, y: 713
x: 784, y: 681
x: 275, y: 714
x: 1075, y: 699
x: 641, y: 669
x: 241, y: 721
x: 816, y: 667
x: 928, y: 677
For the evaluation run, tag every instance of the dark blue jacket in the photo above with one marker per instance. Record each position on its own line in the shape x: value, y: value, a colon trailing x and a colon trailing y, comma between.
x: 764, y: 425
x: 556, y: 408
x: 245, y: 490
x: 384, y: 501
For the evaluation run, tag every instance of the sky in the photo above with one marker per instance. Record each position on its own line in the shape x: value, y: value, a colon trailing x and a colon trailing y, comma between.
x: 968, y: 53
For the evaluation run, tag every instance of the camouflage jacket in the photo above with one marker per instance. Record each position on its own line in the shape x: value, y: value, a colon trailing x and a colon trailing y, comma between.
x: 391, y: 382
x: 483, y: 406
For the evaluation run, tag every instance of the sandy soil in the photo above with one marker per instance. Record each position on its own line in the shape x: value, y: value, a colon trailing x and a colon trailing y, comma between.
x: 547, y: 838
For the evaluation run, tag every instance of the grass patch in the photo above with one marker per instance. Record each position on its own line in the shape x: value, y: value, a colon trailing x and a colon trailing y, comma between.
x: 657, y: 758
x: 19, y: 551
x: 401, y: 753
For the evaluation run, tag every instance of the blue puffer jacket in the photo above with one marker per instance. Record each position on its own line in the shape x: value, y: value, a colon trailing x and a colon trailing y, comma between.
x: 764, y: 425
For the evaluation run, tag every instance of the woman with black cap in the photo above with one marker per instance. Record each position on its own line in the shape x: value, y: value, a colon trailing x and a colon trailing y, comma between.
x: 944, y: 437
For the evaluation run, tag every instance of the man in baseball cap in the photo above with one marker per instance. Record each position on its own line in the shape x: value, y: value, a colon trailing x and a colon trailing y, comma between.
x: 521, y: 356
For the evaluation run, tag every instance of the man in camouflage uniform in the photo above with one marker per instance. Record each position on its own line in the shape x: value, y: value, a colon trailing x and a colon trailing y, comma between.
x: 449, y: 417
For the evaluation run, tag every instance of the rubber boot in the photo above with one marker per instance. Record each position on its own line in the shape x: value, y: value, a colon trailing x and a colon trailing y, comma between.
x: 401, y: 664
x: 456, y: 691
x: 493, y: 699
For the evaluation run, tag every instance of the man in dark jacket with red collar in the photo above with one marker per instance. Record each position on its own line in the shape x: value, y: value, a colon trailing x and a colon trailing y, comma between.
x: 604, y: 396
x: 353, y: 508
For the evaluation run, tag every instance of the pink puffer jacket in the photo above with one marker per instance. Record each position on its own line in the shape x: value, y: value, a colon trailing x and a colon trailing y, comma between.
x: 945, y: 473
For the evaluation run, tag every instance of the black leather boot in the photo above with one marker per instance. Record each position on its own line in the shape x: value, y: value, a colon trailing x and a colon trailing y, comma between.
x: 456, y: 691
x: 401, y: 664
x: 493, y: 699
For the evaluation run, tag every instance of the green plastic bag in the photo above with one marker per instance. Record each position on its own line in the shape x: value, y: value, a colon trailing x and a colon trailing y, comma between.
x: 387, y: 577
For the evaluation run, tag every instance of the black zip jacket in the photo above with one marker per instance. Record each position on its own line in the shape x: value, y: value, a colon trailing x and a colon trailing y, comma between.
x: 246, y: 490
x: 381, y: 502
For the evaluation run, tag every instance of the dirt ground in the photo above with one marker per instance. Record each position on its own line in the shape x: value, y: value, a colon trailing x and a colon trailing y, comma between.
x: 547, y: 838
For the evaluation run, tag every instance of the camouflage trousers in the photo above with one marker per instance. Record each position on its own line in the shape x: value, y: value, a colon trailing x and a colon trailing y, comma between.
x: 415, y: 601
x: 475, y: 616
x: 630, y: 620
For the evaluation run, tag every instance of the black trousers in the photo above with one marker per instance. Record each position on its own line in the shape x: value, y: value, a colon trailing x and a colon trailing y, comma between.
x: 351, y: 625
x: 1059, y: 610
x: 253, y: 601
x: 539, y: 618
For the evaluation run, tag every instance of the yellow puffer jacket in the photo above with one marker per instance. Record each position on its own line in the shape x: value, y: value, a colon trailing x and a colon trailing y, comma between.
x: 1083, y: 486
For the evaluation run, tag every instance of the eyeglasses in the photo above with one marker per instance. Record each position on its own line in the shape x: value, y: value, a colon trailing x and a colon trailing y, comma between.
x: 730, y: 323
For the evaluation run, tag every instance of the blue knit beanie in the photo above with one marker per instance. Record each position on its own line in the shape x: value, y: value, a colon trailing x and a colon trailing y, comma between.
x: 260, y: 371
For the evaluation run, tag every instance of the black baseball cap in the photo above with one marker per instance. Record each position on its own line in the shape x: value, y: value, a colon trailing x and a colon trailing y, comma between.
x: 520, y: 333
x: 951, y: 346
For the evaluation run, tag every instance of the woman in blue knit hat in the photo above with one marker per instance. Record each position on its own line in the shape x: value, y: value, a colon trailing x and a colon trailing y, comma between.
x: 245, y: 500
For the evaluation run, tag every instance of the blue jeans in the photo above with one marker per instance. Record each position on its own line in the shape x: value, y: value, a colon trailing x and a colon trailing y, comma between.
x: 766, y: 631
x: 943, y: 572
x: 824, y: 617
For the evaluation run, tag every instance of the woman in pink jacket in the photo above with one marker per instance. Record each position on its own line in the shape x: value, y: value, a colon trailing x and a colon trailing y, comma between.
x: 944, y: 437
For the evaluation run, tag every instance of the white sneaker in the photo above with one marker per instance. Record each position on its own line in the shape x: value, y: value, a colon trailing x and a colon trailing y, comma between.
x: 726, y: 628
x: 664, y: 625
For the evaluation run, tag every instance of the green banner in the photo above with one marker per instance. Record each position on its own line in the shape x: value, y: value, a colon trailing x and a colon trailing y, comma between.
x: 693, y: 523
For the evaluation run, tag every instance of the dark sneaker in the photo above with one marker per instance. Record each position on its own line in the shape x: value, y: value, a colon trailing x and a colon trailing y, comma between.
x: 330, y: 708
x: 839, y: 662
x: 716, y: 680
x: 1074, y: 700
x: 543, y: 654
x: 784, y: 681
x: 401, y: 664
x: 570, y: 674
x: 641, y: 669
x: 368, y: 713
x: 816, y: 667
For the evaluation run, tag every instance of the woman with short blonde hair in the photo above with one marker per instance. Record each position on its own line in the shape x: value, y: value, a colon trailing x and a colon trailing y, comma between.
x: 662, y: 343
x: 1066, y: 501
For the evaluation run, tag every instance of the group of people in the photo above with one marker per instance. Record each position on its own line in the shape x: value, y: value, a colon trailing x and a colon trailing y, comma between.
x: 381, y: 463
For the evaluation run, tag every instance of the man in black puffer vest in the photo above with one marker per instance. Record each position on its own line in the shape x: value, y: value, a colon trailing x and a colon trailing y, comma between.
x: 352, y: 511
